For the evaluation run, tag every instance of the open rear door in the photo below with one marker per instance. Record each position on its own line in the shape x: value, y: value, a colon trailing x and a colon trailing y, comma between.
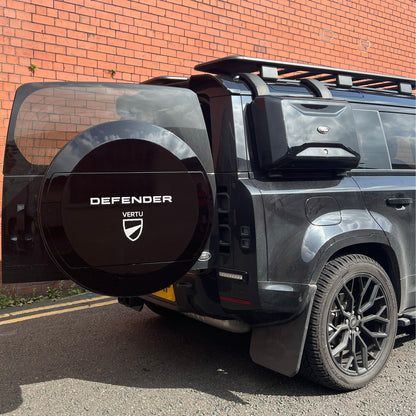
x: 110, y: 185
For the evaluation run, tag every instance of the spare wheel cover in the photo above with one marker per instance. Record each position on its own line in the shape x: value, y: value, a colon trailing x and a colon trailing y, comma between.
x: 125, y: 208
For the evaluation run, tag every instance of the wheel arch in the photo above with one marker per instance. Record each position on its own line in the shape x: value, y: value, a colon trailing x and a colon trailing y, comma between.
x: 267, y: 345
x: 378, y: 251
x: 382, y: 254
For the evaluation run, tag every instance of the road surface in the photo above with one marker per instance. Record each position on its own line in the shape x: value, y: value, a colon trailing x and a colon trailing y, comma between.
x: 91, y: 356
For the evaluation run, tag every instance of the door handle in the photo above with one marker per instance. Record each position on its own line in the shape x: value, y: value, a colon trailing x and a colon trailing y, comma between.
x: 399, y: 202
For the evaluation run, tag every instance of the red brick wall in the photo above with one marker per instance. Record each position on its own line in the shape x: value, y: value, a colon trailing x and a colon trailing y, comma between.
x: 84, y: 40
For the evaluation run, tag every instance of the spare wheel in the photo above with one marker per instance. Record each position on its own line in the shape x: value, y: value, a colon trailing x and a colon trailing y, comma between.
x: 125, y: 208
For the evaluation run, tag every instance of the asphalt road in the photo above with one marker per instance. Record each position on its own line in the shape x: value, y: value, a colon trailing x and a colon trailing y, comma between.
x: 99, y: 358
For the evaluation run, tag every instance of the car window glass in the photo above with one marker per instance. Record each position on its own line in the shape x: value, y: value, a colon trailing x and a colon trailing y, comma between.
x: 371, y: 140
x: 49, y: 116
x: 400, y: 131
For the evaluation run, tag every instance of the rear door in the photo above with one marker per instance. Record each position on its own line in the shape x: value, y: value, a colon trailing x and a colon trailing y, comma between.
x: 110, y: 185
x: 387, y: 180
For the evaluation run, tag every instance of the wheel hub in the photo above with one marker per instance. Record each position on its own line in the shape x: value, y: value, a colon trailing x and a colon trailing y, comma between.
x: 354, y: 322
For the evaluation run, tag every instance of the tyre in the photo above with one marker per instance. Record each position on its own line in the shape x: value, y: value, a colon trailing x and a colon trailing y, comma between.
x: 353, y: 324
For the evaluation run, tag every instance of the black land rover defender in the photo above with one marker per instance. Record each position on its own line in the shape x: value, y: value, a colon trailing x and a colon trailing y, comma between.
x: 259, y: 196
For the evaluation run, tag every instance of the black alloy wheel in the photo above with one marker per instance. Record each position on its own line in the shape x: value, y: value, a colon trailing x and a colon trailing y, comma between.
x: 353, y: 323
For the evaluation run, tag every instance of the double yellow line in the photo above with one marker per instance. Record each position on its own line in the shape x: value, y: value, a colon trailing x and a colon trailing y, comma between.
x: 59, y: 308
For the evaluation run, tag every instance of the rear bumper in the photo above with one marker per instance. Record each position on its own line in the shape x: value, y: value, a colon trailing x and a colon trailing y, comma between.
x: 289, y: 299
x: 273, y: 302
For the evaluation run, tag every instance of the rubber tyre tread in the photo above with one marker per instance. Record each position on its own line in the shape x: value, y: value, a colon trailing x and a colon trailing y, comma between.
x: 313, y: 364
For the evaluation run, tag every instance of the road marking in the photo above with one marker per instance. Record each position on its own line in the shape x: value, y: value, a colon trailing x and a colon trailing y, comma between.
x: 57, y: 305
x: 57, y: 312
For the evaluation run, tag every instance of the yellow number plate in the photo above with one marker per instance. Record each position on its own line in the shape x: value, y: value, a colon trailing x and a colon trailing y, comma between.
x: 167, y: 293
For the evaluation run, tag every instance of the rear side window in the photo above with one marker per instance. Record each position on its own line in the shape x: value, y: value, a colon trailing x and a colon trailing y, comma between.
x: 400, y: 132
x: 371, y: 140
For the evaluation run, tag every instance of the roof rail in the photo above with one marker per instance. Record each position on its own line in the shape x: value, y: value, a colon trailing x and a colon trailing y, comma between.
x: 233, y: 65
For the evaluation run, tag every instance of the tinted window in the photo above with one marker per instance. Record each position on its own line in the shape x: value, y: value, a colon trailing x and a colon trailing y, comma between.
x: 47, y: 116
x: 371, y: 140
x: 400, y: 133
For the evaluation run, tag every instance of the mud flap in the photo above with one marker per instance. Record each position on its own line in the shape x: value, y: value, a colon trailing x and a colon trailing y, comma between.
x: 279, y: 347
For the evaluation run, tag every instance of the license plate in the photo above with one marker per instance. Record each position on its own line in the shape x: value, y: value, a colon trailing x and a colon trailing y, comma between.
x: 167, y: 293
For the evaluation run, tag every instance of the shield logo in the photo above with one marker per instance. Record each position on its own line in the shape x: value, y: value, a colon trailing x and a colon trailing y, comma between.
x: 133, y: 228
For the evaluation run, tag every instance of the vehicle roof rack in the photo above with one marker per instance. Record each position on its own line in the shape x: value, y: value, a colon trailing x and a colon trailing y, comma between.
x: 234, y: 65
